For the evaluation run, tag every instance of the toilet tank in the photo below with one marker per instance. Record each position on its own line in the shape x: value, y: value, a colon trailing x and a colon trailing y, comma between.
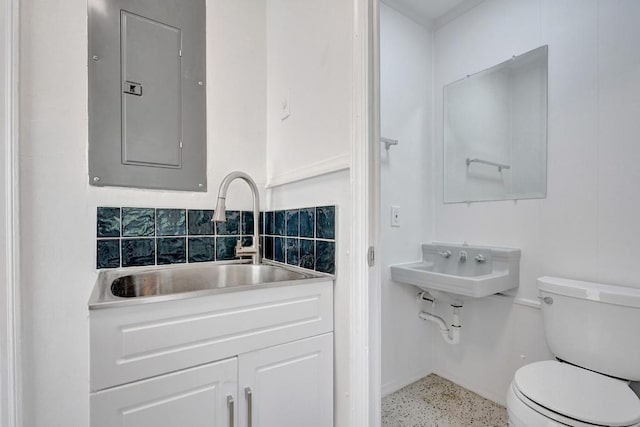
x: 593, y: 325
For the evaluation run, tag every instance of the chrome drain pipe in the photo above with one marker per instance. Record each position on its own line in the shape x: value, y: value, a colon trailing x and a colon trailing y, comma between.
x: 451, y: 335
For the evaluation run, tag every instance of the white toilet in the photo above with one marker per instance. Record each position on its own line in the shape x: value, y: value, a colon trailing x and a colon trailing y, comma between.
x: 594, y: 331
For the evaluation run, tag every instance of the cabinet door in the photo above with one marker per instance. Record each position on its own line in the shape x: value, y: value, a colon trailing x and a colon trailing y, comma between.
x: 288, y: 385
x: 196, y: 397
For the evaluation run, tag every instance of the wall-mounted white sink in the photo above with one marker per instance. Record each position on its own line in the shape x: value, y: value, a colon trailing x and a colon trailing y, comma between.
x: 456, y: 272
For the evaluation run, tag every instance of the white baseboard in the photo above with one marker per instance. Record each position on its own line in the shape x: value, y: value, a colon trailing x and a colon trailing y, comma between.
x: 397, y: 384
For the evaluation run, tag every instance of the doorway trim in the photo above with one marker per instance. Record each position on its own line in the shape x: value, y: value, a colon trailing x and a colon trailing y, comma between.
x: 10, y: 379
x: 365, y: 312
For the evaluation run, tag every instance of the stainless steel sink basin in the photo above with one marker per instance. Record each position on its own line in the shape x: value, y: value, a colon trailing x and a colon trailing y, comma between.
x: 197, y: 279
x: 122, y: 287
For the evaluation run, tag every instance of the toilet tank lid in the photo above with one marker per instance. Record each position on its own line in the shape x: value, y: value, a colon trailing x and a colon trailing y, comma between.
x: 611, y: 294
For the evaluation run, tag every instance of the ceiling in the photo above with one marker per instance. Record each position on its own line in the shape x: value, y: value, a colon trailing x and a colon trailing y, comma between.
x: 425, y: 11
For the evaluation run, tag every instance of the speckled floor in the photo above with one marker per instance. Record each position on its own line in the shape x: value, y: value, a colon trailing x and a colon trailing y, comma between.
x: 436, y: 402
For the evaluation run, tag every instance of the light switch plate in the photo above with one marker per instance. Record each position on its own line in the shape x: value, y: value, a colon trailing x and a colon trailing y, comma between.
x: 395, y: 216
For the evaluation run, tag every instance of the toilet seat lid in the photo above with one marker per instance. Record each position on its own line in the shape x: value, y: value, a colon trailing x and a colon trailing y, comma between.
x: 579, y: 394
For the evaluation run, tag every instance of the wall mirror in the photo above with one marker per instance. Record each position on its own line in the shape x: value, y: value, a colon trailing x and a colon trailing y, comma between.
x: 495, y: 132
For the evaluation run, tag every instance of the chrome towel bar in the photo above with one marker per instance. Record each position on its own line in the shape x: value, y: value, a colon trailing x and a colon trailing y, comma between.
x: 500, y: 166
x: 388, y: 142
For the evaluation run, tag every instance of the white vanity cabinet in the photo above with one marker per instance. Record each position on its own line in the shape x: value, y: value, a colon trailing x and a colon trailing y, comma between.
x: 290, y: 385
x: 262, y: 357
x: 203, y: 396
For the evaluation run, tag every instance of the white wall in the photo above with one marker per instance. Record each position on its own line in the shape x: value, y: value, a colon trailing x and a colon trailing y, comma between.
x: 309, y: 59
x: 406, y: 75
x: 58, y: 206
x: 587, y: 227
x: 330, y: 189
x: 237, y: 95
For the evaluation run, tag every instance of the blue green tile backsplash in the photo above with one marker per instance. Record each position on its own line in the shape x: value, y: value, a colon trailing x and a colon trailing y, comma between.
x: 138, y: 252
x: 108, y: 222
x: 325, y: 222
x: 129, y: 236
x: 171, y: 222
x: 200, y: 222
x: 108, y: 253
x: 302, y: 237
x: 201, y: 249
x: 171, y: 250
x: 138, y: 222
x: 307, y: 222
x: 231, y: 227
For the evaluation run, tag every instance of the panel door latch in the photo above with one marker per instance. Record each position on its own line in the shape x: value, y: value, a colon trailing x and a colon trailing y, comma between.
x: 133, y: 88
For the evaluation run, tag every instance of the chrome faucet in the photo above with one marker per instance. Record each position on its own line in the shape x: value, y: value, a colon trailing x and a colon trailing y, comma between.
x: 445, y: 254
x: 220, y: 214
x: 463, y: 256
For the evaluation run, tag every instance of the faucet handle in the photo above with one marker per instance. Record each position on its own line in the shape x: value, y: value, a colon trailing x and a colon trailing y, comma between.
x: 480, y: 259
x: 445, y: 254
x: 238, y: 249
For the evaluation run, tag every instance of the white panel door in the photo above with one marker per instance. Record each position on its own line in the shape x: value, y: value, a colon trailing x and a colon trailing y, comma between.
x: 203, y: 396
x: 289, y: 385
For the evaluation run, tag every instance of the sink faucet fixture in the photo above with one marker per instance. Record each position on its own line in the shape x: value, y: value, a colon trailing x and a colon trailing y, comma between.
x: 463, y: 256
x: 445, y: 254
x: 220, y: 214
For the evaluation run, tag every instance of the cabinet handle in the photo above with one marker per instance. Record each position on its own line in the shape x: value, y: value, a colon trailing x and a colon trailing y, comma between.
x: 230, y: 407
x: 248, y: 394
